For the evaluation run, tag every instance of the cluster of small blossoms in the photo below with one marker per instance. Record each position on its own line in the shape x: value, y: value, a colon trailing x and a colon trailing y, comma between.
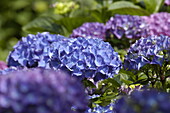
x: 146, y: 101
x: 150, y: 50
x: 85, y: 58
x: 90, y: 30
x: 65, y: 7
x: 81, y: 57
x: 28, y: 52
x: 131, y: 27
x: 159, y: 23
x: 41, y: 91
x: 167, y: 2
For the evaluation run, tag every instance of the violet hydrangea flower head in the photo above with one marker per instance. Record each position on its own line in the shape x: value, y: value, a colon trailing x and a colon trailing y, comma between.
x: 41, y: 91
x: 90, y: 30
x: 28, y: 52
x: 3, y: 65
x: 159, y: 23
x: 131, y: 27
x: 151, y: 50
x: 146, y: 101
x: 85, y: 58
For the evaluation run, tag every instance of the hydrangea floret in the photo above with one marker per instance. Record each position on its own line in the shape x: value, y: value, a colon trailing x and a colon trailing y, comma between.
x: 146, y: 101
x: 101, y: 109
x: 151, y: 50
x: 41, y: 91
x: 90, y: 30
x: 159, y: 23
x: 131, y: 27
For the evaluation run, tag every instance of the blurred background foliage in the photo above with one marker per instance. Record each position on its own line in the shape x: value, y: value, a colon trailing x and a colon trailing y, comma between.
x: 20, y: 17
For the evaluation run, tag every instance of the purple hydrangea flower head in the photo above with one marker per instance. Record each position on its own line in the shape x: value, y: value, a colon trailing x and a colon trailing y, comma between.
x: 131, y: 27
x: 85, y: 58
x: 150, y: 50
x: 90, y: 30
x: 41, y: 91
x: 3, y: 65
x: 159, y: 23
x: 28, y: 52
x: 147, y: 101
x: 167, y: 2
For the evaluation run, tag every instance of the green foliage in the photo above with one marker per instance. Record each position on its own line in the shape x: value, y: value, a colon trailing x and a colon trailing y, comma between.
x: 153, y: 6
x: 125, y: 7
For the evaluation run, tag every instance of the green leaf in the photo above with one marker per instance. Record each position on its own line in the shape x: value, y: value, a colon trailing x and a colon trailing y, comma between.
x: 72, y: 23
x: 44, y: 23
x: 101, y: 14
x: 125, y: 7
x: 153, y: 6
x: 88, y: 83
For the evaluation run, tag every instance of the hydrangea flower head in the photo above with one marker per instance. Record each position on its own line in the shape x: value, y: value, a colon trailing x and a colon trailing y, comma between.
x: 90, y: 30
x: 85, y: 58
x: 150, y: 50
x: 41, y: 91
x: 159, y: 23
x: 81, y: 57
x: 28, y: 52
x: 147, y: 101
x: 131, y: 27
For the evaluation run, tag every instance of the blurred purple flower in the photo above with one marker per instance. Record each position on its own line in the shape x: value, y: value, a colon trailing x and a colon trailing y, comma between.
x: 131, y: 27
x: 159, y: 23
x: 3, y: 65
x: 147, y: 101
x: 41, y: 91
x: 150, y: 50
x: 167, y: 2
x: 90, y: 30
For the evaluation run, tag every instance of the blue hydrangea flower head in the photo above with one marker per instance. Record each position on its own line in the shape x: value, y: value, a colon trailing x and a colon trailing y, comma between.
x: 131, y: 27
x: 147, y: 101
x: 81, y: 57
x: 41, y: 91
x: 29, y: 50
x: 90, y: 30
x: 85, y: 58
x: 151, y: 50
x: 154, y: 26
